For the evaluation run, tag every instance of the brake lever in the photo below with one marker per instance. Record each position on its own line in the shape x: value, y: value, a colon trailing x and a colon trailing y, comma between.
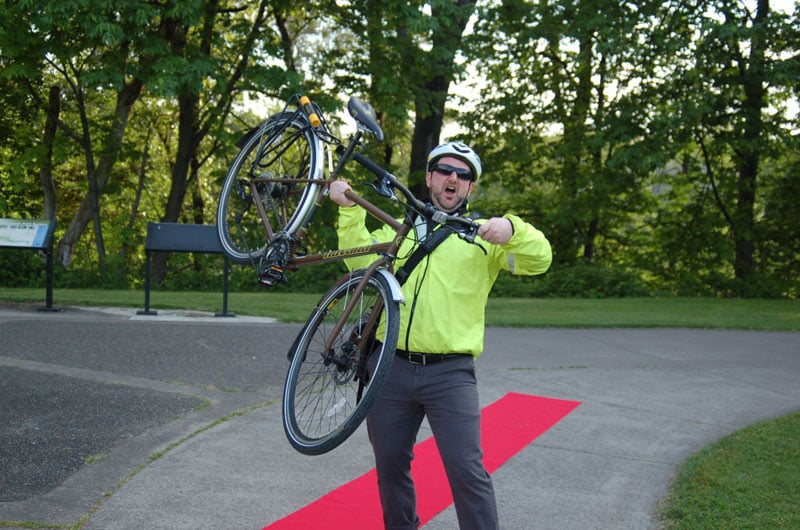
x: 382, y: 187
x: 470, y: 234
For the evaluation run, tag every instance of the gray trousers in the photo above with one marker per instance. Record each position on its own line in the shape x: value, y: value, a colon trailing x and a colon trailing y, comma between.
x: 447, y: 393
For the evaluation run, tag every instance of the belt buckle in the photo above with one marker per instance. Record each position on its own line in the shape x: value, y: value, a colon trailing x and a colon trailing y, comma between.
x: 416, y: 358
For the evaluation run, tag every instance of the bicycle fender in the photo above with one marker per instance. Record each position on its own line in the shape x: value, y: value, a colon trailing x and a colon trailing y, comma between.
x: 394, y: 285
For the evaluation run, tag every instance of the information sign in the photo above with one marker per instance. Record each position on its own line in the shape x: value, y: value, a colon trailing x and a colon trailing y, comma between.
x: 25, y: 233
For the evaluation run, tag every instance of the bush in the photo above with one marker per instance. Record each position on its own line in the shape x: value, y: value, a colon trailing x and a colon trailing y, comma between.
x: 22, y: 268
x: 581, y: 280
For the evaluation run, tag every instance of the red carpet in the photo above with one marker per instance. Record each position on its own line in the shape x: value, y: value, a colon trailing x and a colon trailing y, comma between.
x: 508, y: 425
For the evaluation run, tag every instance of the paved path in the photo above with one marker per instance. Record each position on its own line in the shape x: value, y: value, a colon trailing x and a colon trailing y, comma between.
x: 173, y: 421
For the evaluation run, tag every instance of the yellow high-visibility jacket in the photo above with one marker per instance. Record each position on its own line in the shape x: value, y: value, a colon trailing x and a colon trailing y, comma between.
x: 446, y: 292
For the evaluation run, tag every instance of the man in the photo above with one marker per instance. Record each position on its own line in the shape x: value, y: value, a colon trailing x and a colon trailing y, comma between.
x: 441, y: 333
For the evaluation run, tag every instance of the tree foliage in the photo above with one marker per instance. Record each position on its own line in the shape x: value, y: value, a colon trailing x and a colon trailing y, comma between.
x: 637, y: 132
x: 655, y: 139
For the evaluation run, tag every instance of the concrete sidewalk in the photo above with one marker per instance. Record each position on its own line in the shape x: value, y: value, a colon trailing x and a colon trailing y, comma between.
x: 173, y: 421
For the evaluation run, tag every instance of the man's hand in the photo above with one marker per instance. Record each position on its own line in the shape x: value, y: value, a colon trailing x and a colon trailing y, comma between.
x: 497, y: 230
x: 337, y: 189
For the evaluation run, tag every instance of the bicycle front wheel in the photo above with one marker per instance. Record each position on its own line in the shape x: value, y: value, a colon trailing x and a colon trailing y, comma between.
x: 271, y: 186
x: 328, y: 393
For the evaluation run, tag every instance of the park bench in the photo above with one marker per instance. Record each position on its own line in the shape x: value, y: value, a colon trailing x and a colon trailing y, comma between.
x: 178, y: 237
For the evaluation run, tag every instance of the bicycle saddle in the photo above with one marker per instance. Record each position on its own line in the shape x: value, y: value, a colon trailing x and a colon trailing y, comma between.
x: 365, y: 115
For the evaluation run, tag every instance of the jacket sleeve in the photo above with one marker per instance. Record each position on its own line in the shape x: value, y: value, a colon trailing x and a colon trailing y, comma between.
x: 528, y: 251
x: 352, y: 232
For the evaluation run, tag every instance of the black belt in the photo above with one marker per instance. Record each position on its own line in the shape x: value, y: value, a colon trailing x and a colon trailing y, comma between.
x: 428, y: 358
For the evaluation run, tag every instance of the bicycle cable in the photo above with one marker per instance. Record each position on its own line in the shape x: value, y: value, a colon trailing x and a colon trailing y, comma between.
x: 418, y: 285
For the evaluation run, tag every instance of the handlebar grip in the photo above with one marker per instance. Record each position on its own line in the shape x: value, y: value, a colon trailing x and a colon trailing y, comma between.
x: 305, y: 102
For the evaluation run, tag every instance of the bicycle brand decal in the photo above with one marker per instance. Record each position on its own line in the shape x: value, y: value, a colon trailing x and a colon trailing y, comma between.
x: 334, y: 254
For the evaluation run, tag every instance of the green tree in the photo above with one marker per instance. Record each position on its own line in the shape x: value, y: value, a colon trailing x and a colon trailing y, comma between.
x: 561, y: 120
x: 731, y: 69
x: 434, y: 71
x: 196, y: 58
x: 405, y: 58
x: 209, y: 55
x: 778, y: 233
x: 655, y: 135
x: 98, y: 55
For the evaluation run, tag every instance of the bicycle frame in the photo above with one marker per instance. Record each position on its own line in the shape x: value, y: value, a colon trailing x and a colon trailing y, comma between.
x: 346, y: 155
x: 388, y: 248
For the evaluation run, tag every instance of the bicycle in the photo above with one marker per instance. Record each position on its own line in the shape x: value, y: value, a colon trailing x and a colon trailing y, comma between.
x: 267, y: 202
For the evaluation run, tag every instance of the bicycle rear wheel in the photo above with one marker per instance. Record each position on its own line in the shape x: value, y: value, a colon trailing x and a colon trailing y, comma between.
x: 274, y: 174
x: 327, y: 393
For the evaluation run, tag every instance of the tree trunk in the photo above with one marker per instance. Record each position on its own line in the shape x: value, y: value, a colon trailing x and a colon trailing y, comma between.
x: 192, y: 130
x: 137, y: 198
x: 566, y: 238
x: 432, y: 92
x: 429, y: 116
x: 46, y: 171
x: 113, y: 142
x: 187, y: 146
x: 589, y: 240
x: 753, y: 81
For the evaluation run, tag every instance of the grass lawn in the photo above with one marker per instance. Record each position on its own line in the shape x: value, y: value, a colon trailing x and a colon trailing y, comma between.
x: 769, y: 315
x: 749, y: 479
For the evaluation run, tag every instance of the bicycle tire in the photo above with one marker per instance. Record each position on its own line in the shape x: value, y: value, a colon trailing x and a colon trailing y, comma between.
x: 284, y: 147
x: 321, y: 408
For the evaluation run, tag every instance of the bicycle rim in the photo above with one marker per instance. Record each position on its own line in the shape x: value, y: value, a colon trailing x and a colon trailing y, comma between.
x: 284, y: 148
x: 321, y: 405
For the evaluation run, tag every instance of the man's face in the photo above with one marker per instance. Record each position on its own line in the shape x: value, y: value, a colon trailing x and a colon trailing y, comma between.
x: 447, y: 189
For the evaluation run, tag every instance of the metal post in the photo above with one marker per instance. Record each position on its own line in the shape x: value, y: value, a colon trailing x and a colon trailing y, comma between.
x: 226, y: 272
x: 147, y: 287
x: 49, y: 287
x: 49, y: 281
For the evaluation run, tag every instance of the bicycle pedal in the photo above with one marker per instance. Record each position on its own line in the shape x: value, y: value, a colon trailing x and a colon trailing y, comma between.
x: 273, y: 276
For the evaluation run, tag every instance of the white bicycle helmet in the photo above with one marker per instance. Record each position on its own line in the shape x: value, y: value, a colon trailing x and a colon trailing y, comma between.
x: 458, y: 150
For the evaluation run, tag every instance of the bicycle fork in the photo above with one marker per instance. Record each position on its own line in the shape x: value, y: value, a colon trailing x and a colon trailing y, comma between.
x: 329, y: 343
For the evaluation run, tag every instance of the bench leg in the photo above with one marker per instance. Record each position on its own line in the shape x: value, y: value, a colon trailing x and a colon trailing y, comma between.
x: 226, y: 272
x: 146, y: 310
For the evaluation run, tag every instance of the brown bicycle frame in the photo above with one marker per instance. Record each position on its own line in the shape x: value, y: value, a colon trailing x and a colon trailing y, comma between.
x: 387, y: 251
